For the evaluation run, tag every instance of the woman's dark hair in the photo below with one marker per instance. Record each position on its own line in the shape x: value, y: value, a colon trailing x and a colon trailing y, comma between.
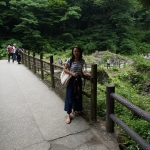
x: 80, y: 50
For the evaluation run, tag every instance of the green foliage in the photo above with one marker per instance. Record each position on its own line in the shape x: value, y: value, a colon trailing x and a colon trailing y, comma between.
x: 58, y: 2
x: 106, y: 56
x: 88, y: 58
x: 120, y: 26
x: 115, y: 68
x: 89, y: 48
x: 142, y: 65
x: 146, y: 38
x: 67, y: 37
x: 67, y: 54
x: 145, y: 2
x: 101, y: 102
x: 136, y: 124
x: 128, y: 47
x: 124, y: 76
x: 3, y: 53
x: 3, y: 3
x: 136, y: 77
x: 72, y: 12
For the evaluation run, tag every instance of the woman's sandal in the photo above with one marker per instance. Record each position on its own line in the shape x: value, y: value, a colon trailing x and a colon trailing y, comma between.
x: 75, y: 113
x: 68, y: 120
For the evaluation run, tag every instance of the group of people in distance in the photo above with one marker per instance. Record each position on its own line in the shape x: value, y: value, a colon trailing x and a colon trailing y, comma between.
x: 14, y: 52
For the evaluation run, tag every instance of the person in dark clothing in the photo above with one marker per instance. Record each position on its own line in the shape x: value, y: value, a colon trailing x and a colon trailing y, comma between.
x: 18, y: 54
x: 108, y: 63
x: 74, y: 67
x: 60, y: 61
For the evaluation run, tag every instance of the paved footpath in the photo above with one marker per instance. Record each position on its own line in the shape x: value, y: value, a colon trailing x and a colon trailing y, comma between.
x: 32, y: 117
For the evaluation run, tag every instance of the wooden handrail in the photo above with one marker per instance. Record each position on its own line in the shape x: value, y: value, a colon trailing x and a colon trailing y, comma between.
x: 111, y: 118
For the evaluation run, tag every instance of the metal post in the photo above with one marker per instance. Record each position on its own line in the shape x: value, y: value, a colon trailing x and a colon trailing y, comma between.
x: 109, y: 108
x: 94, y: 92
x: 52, y: 72
x: 41, y: 65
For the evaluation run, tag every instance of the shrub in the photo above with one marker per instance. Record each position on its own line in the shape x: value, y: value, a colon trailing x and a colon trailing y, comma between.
x: 67, y: 37
x: 124, y: 76
x: 3, y: 53
x: 89, y: 48
x: 136, y: 77
x: 142, y: 64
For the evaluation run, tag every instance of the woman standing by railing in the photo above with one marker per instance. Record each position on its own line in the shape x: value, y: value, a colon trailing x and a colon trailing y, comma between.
x: 74, y: 67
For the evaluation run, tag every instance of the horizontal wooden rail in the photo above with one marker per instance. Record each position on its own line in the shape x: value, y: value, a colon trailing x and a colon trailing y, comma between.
x: 130, y: 132
x: 47, y: 71
x: 44, y: 61
x: 138, y: 111
x: 86, y: 94
x: 111, y: 118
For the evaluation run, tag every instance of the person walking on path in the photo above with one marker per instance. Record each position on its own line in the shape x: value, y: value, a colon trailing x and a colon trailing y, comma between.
x: 10, y: 51
x: 74, y: 67
x: 18, y: 54
x: 108, y: 63
x: 14, y: 48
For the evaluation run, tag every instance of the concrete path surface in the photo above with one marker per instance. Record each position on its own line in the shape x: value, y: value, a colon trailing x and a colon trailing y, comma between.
x: 32, y: 117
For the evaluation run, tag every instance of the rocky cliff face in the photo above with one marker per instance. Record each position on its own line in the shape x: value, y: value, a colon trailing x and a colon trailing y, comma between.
x: 103, y: 56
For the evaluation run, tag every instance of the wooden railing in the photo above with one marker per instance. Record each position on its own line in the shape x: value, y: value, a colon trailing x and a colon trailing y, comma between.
x: 49, y: 73
x: 111, y: 118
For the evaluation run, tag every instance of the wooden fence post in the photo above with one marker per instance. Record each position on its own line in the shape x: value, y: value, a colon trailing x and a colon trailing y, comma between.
x: 94, y: 92
x: 52, y: 72
x: 41, y: 65
x: 109, y: 108
x: 34, y: 63
x: 22, y: 58
x: 25, y: 59
x: 29, y: 60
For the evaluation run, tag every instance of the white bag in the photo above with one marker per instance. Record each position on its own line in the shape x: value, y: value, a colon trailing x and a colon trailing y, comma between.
x: 64, y: 77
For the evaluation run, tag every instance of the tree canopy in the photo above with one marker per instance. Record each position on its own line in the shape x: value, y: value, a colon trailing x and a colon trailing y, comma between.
x: 120, y: 26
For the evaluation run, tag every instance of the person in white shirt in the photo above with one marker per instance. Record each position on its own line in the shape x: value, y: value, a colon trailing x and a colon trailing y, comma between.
x: 14, y: 55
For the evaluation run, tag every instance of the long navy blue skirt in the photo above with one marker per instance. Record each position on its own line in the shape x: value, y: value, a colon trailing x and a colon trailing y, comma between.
x: 72, y: 101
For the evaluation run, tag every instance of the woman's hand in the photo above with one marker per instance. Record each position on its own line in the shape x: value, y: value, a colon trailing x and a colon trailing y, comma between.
x: 87, y: 74
x: 74, y: 74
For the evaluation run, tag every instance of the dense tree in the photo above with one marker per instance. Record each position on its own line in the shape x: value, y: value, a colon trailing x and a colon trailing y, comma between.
x: 118, y: 26
x: 145, y: 2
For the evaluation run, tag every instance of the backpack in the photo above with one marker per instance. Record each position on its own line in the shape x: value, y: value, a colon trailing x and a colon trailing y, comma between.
x: 18, y: 52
